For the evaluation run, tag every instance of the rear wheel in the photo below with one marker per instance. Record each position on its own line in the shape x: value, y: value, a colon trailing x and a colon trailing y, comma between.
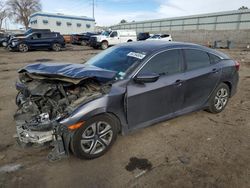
x: 83, y: 43
x: 104, y: 45
x: 23, y: 47
x: 219, y: 99
x: 56, y: 47
x: 95, y: 137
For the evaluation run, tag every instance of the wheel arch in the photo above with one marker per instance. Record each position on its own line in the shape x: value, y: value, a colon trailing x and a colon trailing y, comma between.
x: 105, y: 41
x: 229, y: 84
x: 111, y: 114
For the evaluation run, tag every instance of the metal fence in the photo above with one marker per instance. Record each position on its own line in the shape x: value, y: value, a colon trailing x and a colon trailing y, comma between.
x: 230, y: 20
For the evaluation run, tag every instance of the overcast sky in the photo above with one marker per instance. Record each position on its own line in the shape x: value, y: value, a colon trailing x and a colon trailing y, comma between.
x: 109, y: 12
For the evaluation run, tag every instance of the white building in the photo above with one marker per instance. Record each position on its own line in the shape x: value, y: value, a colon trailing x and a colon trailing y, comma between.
x: 65, y: 24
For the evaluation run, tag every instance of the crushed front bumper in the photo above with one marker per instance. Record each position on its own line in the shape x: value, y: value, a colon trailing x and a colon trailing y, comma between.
x: 34, y: 137
x: 59, y: 138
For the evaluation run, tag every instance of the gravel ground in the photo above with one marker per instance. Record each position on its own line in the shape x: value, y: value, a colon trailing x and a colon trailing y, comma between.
x: 195, y: 150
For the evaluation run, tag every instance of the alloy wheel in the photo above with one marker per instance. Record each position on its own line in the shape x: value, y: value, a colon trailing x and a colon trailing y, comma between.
x: 221, y: 98
x: 56, y: 47
x: 96, y: 137
x: 23, y: 48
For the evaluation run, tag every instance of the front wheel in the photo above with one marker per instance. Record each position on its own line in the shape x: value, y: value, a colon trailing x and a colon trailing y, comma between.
x: 95, y: 137
x: 219, y: 99
x: 23, y: 47
x: 104, y: 45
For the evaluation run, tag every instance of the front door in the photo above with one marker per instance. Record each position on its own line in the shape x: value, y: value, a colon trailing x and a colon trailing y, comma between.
x: 114, y: 38
x: 148, y: 102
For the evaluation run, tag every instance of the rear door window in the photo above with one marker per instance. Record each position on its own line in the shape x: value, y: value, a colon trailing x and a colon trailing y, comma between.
x: 165, y: 63
x: 48, y: 35
x: 196, y: 59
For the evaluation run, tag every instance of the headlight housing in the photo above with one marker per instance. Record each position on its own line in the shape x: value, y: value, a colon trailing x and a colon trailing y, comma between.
x: 14, y: 43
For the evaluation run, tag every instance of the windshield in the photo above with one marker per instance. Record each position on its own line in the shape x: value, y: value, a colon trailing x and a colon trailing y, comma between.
x: 119, y: 59
x: 29, y: 31
x: 106, y: 33
x: 155, y: 37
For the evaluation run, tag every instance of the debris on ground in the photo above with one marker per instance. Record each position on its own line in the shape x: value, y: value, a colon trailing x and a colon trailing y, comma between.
x: 10, y: 168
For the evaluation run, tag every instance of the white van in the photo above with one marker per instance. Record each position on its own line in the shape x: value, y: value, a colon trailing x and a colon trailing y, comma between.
x: 110, y: 38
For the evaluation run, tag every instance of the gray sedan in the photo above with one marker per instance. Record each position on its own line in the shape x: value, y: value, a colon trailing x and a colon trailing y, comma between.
x: 83, y: 107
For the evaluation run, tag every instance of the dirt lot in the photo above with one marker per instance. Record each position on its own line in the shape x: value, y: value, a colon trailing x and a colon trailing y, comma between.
x: 195, y: 150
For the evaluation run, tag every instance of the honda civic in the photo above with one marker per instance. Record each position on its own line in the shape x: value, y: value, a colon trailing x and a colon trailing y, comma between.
x: 81, y: 108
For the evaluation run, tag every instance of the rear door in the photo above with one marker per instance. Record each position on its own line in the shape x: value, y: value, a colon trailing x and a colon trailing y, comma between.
x: 201, y: 78
x: 150, y: 101
x: 48, y: 39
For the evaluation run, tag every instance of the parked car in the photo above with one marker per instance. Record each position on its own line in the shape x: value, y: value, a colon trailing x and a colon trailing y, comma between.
x: 67, y: 39
x: 143, y: 36
x: 83, y: 38
x: 164, y: 37
x: 26, y: 33
x: 82, y: 107
x: 4, y: 38
x: 37, y: 40
x: 110, y: 38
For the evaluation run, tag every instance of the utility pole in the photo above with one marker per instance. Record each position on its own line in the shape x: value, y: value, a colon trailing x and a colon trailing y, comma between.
x: 93, y: 4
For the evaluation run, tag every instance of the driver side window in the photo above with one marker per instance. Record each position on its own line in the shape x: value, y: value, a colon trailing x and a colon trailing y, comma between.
x: 36, y: 36
x: 165, y: 63
x: 114, y: 34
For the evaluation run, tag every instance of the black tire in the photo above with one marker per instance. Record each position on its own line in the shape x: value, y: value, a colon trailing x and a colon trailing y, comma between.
x: 219, y: 99
x: 130, y: 41
x: 23, y: 47
x: 104, y: 45
x: 56, y: 47
x: 85, y: 141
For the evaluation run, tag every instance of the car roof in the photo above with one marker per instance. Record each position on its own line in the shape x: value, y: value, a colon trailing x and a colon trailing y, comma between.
x: 151, y: 47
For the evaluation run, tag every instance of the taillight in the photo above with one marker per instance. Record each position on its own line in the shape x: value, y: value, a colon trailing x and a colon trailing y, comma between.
x: 237, y: 65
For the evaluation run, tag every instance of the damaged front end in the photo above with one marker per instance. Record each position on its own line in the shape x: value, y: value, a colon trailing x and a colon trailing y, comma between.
x: 49, y: 93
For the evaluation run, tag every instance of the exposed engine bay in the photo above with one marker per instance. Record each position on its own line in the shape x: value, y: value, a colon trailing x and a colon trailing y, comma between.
x: 43, y: 101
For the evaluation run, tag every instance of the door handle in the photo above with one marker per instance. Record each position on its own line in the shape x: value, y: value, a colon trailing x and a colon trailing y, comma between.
x: 214, y: 70
x: 178, y: 82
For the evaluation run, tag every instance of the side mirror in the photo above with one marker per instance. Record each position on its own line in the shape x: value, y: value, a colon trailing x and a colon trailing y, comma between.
x: 147, y: 77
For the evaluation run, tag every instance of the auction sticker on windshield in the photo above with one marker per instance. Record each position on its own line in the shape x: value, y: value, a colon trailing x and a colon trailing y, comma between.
x: 136, y: 55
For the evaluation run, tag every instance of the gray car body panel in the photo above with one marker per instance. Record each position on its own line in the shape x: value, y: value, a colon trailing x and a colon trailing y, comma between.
x: 133, y: 102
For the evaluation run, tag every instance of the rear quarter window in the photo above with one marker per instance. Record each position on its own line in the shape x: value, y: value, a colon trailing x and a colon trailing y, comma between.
x: 214, y: 58
x: 196, y: 59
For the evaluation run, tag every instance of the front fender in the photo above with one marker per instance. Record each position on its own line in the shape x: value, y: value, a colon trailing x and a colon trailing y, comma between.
x: 86, y: 111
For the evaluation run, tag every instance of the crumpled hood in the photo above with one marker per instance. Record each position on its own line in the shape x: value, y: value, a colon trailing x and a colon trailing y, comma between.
x: 68, y: 70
